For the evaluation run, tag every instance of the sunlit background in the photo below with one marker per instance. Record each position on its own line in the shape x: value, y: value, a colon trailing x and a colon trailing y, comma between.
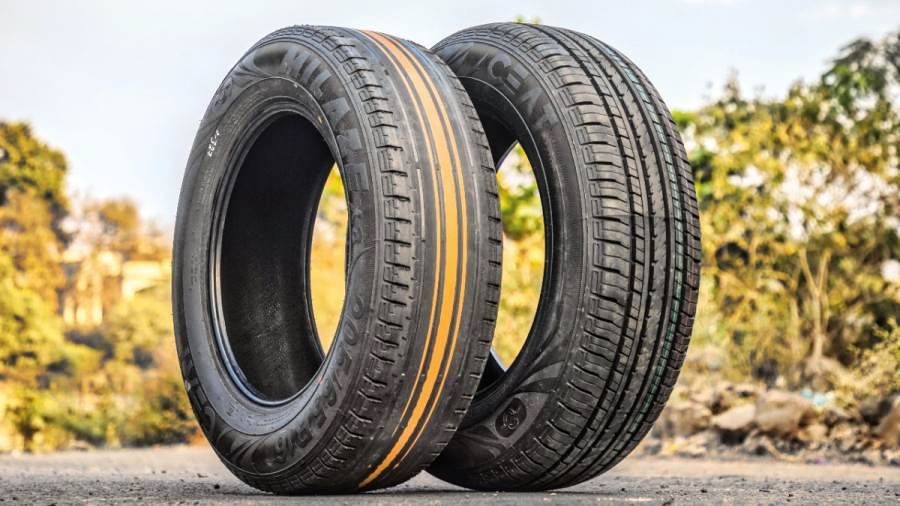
x: 790, y: 112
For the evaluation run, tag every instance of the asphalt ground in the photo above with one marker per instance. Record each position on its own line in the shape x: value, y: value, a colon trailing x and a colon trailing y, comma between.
x: 193, y: 475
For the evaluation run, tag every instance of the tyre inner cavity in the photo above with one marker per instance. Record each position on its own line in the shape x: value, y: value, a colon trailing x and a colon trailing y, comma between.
x: 269, y: 333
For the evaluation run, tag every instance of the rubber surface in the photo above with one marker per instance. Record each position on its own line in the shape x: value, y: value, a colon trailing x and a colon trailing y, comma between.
x: 622, y: 261
x: 423, y: 254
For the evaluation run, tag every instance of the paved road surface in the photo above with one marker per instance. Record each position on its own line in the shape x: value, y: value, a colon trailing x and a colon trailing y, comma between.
x: 194, y: 475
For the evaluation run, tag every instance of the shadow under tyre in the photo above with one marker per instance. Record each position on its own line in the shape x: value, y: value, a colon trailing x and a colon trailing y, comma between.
x: 423, y: 252
x: 619, y: 293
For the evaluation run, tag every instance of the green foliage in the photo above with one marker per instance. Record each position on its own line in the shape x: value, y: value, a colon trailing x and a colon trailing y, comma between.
x: 534, y: 20
x: 28, y: 239
x: 520, y: 288
x: 877, y: 370
x: 115, y: 384
x: 95, y: 424
x: 121, y: 222
x: 33, y: 349
x: 136, y: 327
x: 28, y: 165
x: 31, y: 337
x: 799, y: 204
x: 333, y: 204
x: 520, y: 202
x: 28, y: 413
x: 161, y: 413
x: 523, y: 253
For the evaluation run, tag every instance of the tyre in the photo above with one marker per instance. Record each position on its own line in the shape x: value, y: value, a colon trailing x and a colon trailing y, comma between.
x: 422, y: 269
x: 621, y: 266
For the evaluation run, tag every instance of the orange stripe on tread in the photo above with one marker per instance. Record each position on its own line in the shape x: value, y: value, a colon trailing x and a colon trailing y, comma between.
x: 462, y: 290
x: 420, y: 86
x: 438, y: 254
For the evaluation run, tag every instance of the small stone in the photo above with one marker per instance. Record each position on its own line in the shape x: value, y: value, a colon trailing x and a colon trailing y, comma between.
x: 833, y: 415
x: 683, y: 418
x: 757, y: 444
x: 874, y: 409
x: 813, y: 435
x: 889, y: 425
x: 872, y: 457
x: 845, y: 436
x: 737, y: 420
x: 782, y: 413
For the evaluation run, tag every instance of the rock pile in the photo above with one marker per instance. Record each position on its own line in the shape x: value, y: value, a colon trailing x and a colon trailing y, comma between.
x: 750, y: 419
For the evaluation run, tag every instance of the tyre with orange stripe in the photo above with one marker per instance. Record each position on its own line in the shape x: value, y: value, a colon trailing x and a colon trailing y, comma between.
x: 622, y: 262
x: 422, y: 271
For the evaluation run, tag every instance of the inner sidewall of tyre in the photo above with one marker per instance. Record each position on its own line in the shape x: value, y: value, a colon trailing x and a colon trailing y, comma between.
x: 496, y: 368
x: 505, y: 127
x: 263, y: 223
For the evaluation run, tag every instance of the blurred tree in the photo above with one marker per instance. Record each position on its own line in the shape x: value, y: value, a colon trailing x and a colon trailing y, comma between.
x: 120, y: 221
x: 33, y: 349
x: 122, y: 230
x: 138, y: 326
x: 28, y: 165
x: 29, y: 239
x: 327, y: 256
x: 799, y: 207
x: 534, y: 20
x: 86, y: 386
x: 28, y: 413
x: 31, y: 336
x: 160, y: 413
x: 520, y: 202
x: 523, y: 253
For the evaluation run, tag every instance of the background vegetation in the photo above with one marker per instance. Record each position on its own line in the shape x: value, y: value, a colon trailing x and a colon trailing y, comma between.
x: 800, y: 208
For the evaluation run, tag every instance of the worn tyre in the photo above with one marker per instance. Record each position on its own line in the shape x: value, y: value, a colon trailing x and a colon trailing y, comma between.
x: 622, y: 258
x: 423, y: 253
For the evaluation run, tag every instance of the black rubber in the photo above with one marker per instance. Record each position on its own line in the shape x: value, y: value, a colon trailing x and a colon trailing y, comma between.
x: 423, y: 252
x: 622, y: 258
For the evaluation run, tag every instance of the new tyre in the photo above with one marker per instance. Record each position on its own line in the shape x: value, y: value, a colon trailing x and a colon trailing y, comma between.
x: 622, y: 258
x: 421, y: 273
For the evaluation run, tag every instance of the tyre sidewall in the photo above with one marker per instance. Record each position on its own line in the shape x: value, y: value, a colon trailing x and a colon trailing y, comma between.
x: 254, y: 438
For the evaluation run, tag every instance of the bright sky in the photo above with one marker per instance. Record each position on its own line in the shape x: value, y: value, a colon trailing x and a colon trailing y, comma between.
x: 120, y: 86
